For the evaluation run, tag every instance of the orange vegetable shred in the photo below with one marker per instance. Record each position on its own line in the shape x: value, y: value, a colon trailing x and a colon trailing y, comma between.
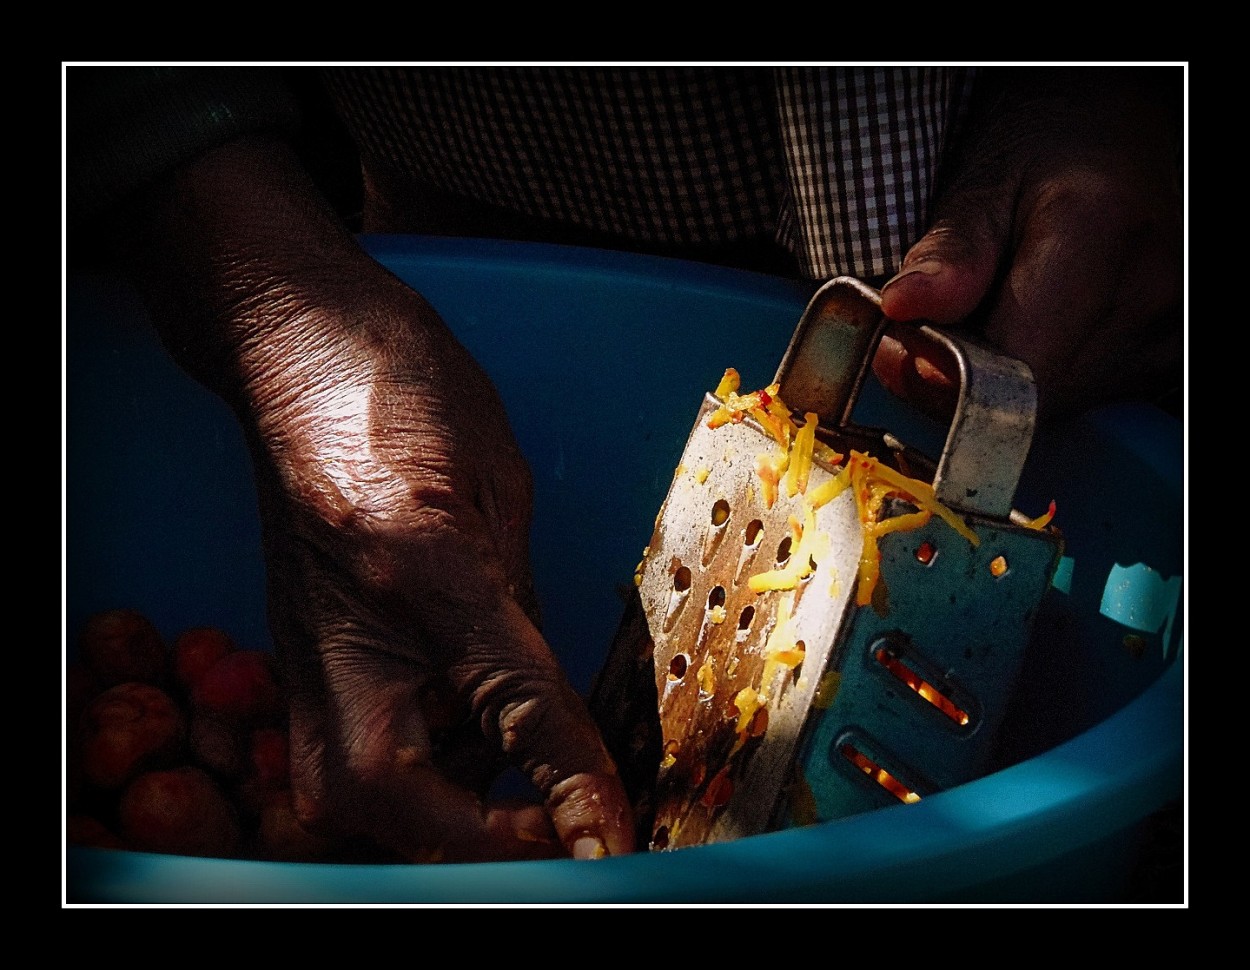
x: 870, y: 481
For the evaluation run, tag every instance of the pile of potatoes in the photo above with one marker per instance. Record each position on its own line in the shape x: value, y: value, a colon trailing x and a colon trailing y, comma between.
x: 179, y: 748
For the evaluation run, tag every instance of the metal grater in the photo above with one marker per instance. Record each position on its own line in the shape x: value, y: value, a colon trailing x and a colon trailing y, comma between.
x: 733, y: 712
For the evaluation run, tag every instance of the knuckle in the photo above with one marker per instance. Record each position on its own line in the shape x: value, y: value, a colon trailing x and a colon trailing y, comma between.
x: 521, y: 722
x: 1097, y: 198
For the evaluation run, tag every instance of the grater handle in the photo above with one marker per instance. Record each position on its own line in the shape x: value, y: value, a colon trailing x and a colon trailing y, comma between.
x: 827, y: 361
x: 991, y: 431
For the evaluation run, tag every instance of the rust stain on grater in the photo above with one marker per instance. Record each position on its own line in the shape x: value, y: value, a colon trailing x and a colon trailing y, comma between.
x: 721, y: 702
x: 731, y: 719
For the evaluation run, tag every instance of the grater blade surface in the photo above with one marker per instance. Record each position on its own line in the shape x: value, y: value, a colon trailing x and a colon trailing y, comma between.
x: 737, y: 705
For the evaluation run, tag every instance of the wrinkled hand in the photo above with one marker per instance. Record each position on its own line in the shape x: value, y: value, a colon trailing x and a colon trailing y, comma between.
x: 1059, y: 239
x: 395, y: 510
x: 396, y: 507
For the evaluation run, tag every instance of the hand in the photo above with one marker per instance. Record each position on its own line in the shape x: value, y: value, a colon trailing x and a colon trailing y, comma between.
x: 1059, y: 239
x: 395, y: 507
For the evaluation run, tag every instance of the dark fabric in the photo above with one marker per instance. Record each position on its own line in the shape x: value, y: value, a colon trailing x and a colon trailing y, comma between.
x: 834, y: 166
x: 124, y: 126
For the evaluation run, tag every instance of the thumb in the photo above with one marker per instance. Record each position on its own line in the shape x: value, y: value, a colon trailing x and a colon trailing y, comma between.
x: 946, y: 277
x: 948, y: 273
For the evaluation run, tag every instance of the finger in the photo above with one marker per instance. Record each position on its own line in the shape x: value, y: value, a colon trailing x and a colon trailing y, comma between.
x: 494, y: 655
x: 505, y: 515
x: 527, y: 598
x: 944, y: 278
x: 948, y: 273
x: 936, y: 288
x: 464, y: 756
x: 386, y: 782
x: 305, y: 692
x: 525, y: 704
x: 460, y: 751
x: 424, y: 816
x: 919, y: 370
x: 308, y: 732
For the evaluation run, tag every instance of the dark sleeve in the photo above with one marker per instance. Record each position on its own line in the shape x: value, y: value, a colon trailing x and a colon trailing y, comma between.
x: 126, y: 126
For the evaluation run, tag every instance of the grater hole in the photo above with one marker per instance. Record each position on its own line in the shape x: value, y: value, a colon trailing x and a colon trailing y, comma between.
x: 878, y: 774
x: 746, y: 617
x: 716, y: 605
x: 751, y: 534
x: 783, y: 551
x: 926, y: 552
x: 720, y: 513
x: 998, y: 566
x: 891, y: 661
x: 660, y: 839
x: 681, y: 579
x: 677, y: 667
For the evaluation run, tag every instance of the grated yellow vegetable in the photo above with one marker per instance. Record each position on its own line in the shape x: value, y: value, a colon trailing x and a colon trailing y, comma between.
x: 871, y: 482
x: 800, y: 465
x: 1043, y: 520
x: 729, y: 383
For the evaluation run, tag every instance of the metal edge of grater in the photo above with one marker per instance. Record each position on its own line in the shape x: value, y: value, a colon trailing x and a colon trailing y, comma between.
x: 889, y: 702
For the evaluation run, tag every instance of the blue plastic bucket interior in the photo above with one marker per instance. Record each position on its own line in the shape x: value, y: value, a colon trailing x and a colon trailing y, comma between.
x: 601, y: 359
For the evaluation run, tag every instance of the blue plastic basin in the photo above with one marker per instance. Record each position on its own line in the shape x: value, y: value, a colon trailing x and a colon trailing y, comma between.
x: 601, y: 359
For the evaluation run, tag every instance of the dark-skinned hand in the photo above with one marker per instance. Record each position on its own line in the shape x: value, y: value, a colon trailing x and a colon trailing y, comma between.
x: 395, y: 510
x: 1058, y: 239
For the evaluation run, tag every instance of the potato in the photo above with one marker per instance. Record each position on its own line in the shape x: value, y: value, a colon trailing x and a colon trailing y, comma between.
x: 181, y: 811
x: 128, y: 728
x: 196, y: 650
x: 217, y: 745
x: 191, y: 757
x: 240, y: 688
x: 123, y: 645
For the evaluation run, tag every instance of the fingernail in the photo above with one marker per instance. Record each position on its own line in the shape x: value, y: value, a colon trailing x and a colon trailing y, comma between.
x: 589, y: 847
x: 927, y: 267
x: 929, y: 371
